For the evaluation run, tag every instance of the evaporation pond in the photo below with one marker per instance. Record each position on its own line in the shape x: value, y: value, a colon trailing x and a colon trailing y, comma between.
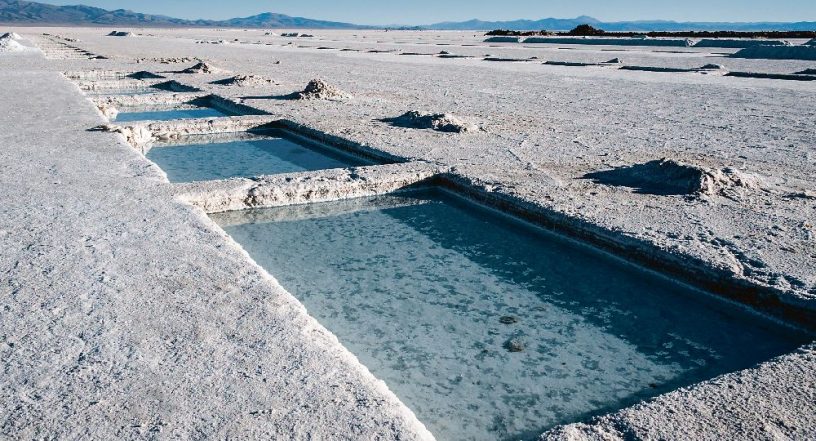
x: 488, y: 328
x: 168, y: 114
x: 207, y: 158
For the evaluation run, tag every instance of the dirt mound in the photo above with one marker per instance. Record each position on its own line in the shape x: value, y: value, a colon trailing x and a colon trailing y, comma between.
x: 320, y: 90
x: 120, y: 34
x: 201, y: 68
x: 244, y: 81
x: 441, y: 122
x: 670, y: 177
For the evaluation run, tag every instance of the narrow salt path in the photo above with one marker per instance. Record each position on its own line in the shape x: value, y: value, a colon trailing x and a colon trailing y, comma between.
x: 125, y: 313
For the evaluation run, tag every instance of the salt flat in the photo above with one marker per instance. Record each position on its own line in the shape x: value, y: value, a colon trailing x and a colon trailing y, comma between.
x: 128, y: 313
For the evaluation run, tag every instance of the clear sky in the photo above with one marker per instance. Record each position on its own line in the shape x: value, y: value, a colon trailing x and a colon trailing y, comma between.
x: 414, y: 12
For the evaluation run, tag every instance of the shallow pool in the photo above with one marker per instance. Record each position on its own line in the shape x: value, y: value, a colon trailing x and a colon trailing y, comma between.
x: 204, y: 158
x: 488, y: 328
x: 169, y: 114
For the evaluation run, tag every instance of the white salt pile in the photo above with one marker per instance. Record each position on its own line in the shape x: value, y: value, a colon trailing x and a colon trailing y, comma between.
x: 712, y: 66
x: 120, y: 34
x: 12, y: 35
x: 614, y: 61
x: 108, y: 110
x: 320, y: 90
x: 668, y: 176
x: 441, y: 122
x: 811, y: 42
x: 201, y: 68
x: 9, y: 44
x: 244, y: 81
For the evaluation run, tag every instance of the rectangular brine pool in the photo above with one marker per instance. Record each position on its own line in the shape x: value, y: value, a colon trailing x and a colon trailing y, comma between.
x: 490, y: 328
x: 169, y: 113
x: 203, y: 158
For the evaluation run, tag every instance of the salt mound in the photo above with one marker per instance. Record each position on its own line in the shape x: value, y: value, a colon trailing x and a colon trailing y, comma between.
x: 201, y: 68
x: 108, y: 110
x: 811, y: 42
x: 12, y: 35
x: 441, y: 122
x: 670, y: 177
x: 9, y: 44
x: 120, y: 34
x: 712, y: 66
x: 809, y: 71
x: 320, y: 90
x: 244, y: 80
x: 614, y: 61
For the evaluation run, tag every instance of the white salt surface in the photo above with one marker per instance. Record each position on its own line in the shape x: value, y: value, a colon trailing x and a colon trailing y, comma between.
x: 125, y: 312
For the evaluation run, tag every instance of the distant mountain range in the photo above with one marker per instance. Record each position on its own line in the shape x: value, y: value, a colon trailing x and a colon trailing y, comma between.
x: 32, y: 13
x: 560, y: 24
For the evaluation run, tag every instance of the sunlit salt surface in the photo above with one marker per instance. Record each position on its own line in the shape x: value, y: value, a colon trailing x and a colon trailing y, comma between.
x: 202, y: 158
x: 488, y: 328
x: 169, y: 114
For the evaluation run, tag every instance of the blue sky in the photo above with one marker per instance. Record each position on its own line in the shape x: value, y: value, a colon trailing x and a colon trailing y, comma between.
x: 431, y: 11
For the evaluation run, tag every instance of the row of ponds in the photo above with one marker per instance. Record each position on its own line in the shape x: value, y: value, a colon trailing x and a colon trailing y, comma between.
x: 485, y: 326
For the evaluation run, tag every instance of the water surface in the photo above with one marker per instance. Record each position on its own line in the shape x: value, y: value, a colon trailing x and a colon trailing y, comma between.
x: 249, y: 156
x: 488, y: 328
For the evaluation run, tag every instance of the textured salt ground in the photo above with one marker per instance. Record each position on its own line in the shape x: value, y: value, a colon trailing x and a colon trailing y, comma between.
x: 126, y: 314
x: 543, y: 132
x: 758, y: 126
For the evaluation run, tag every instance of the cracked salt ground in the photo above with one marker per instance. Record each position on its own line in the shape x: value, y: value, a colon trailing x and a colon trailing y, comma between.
x: 487, y: 329
x: 203, y: 158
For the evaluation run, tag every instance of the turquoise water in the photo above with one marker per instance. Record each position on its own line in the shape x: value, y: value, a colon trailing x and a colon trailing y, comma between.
x: 488, y: 328
x: 169, y: 114
x: 246, y: 157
